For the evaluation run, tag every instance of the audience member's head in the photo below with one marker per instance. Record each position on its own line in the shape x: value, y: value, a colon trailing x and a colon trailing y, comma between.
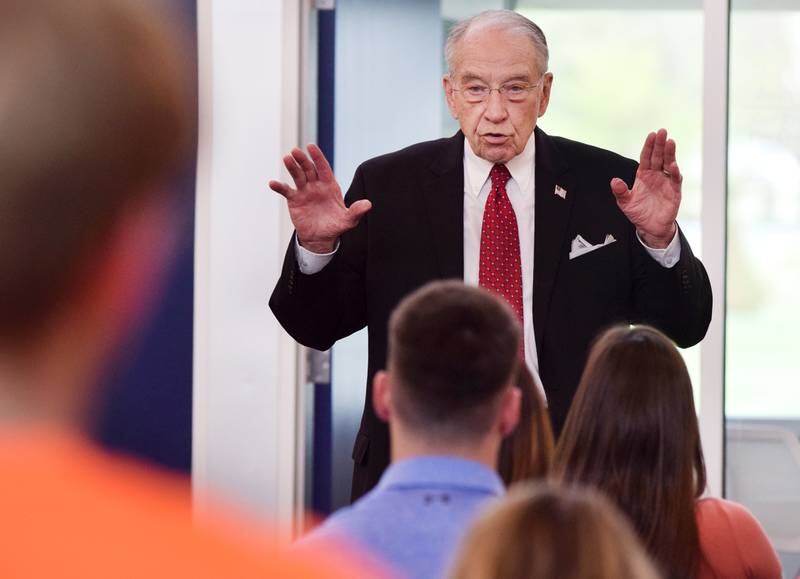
x: 543, y: 532
x: 632, y: 432
x: 527, y: 453
x: 453, y: 357
x: 94, y: 118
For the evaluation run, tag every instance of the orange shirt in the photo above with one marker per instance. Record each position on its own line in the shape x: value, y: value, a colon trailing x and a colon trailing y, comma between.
x: 68, y: 510
x: 732, y: 542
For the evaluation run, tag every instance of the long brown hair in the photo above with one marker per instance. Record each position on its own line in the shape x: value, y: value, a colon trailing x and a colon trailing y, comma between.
x: 527, y: 453
x: 546, y: 532
x: 632, y: 432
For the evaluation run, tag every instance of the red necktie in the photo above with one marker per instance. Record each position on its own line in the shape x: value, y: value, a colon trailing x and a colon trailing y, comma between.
x: 500, y: 269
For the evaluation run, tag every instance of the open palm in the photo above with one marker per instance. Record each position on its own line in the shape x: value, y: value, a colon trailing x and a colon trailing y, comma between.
x: 653, y: 202
x: 315, y: 203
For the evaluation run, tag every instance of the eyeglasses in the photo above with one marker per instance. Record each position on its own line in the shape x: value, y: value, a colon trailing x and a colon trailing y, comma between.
x: 515, y: 92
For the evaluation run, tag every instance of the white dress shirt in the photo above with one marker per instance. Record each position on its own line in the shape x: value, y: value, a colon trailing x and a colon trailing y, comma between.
x: 521, y: 192
x: 520, y: 189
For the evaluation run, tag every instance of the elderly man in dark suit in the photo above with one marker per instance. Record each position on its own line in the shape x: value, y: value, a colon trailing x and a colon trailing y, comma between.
x: 575, y: 238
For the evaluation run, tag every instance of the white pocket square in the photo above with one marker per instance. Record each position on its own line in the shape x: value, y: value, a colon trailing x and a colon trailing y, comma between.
x: 581, y: 247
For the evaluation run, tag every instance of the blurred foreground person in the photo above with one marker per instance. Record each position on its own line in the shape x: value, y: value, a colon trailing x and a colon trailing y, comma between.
x: 94, y: 120
x: 449, y: 398
x: 539, y: 532
x: 632, y: 433
x: 527, y: 453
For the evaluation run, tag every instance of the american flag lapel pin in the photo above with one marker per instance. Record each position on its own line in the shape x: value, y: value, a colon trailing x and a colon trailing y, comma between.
x: 560, y: 191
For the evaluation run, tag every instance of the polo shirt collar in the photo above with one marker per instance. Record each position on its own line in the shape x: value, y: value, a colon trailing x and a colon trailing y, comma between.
x: 441, y: 472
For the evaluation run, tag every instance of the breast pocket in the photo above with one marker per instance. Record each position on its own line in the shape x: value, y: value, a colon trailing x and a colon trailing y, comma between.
x: 597, y: 277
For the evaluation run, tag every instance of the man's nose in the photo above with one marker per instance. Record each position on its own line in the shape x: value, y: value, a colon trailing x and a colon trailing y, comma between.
x: 495, y: 107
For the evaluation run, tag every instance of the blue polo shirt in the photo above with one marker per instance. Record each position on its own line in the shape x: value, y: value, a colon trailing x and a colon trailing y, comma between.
x: 416, y: 516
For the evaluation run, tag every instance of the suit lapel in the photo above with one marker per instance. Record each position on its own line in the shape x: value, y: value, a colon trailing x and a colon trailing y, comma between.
x: 443, y: 200
x: 552, y: 216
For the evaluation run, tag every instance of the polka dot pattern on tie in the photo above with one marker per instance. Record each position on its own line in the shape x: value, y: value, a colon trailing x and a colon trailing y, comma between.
x: 500, y: 267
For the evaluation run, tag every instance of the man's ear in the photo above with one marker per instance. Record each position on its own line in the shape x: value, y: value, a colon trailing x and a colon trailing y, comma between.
x: 382, y: 395
x: 547, y: 87
x: 509, y: 410
x: 447, y: 85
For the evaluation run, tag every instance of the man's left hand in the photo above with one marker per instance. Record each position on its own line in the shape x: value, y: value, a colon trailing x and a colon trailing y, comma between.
x: 652, y: 204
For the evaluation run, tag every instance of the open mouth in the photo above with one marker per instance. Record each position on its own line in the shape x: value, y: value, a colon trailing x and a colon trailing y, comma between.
x: 495, y: 138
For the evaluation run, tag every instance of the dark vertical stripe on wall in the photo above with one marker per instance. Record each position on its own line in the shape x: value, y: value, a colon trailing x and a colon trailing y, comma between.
x: 321, y: 496
x: 326, y: 62
x: 147, y: 411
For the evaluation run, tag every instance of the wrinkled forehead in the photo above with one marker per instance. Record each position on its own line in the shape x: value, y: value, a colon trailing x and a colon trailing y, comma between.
x: 495, y: 54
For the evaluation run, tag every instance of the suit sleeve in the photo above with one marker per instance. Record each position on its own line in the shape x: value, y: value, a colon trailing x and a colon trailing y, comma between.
x: 318, y: 309
x: 676, y: 300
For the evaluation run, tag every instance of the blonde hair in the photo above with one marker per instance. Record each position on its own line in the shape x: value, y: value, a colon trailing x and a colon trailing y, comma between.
x: 547, y: 532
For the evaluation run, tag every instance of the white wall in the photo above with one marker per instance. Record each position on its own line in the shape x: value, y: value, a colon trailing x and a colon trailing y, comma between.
x: 714, y: 228
x: 245, y: 435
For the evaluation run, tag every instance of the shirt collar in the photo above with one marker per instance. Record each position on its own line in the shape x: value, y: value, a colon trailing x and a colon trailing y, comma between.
x: 441, y: 471
x: 520, y: 167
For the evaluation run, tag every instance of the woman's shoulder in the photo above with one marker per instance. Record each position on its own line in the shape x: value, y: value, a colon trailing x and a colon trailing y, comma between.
x: 720, y: 520
x: 713, y: 508
x: 732, y: 540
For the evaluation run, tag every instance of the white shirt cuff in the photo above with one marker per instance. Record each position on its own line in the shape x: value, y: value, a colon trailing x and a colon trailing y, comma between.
x: 668, y: 256
x: 310, y: 262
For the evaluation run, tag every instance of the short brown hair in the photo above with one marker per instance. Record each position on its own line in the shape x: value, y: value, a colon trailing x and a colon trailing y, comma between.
x: 527, y: 453
x: 452, y: 350
x: 94, y: 116
x: 546, y: 532
x: 632, y: 432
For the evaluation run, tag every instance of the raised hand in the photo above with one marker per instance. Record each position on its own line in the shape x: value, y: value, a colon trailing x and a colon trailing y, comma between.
x: 316, y: 206
x: 652, y: 205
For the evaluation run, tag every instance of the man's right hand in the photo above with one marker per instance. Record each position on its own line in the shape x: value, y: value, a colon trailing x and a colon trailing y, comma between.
x: 316, y: 206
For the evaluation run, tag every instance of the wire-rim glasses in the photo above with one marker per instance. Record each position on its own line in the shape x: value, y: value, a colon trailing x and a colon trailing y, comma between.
x: 513, y: 91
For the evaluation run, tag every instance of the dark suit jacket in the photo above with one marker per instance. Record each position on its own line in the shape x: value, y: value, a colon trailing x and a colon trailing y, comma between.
x: 415, y: 233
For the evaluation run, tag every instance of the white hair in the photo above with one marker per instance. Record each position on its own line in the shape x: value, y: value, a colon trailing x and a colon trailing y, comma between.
x: 507, y: 20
